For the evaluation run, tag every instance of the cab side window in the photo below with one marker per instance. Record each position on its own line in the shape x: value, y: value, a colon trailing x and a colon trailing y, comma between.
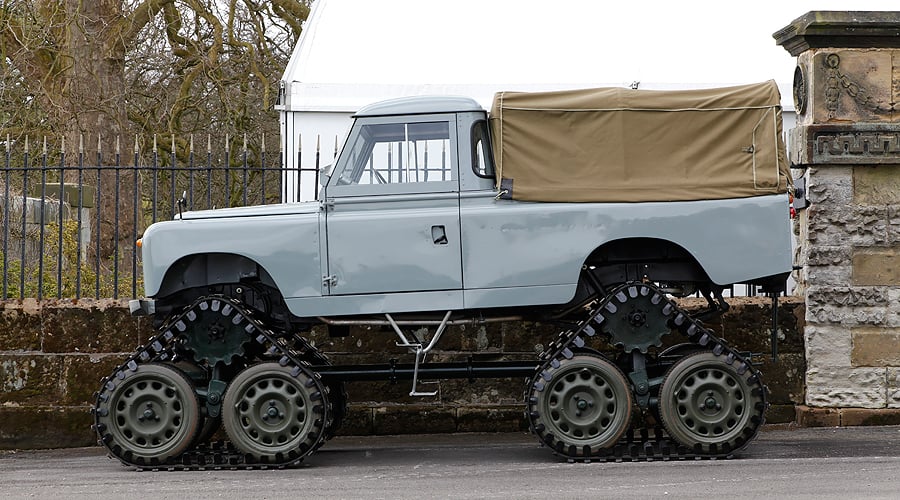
x: 396, y: 153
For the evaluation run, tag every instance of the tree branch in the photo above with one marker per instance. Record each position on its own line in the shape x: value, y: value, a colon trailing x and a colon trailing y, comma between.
x: 140, y: 17
x: 293, y: 12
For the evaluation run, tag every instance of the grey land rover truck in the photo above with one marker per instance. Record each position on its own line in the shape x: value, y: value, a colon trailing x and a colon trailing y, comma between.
x: 594, y: 209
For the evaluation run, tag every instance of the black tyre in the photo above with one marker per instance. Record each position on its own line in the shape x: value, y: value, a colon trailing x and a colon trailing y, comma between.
x: 337, y: 393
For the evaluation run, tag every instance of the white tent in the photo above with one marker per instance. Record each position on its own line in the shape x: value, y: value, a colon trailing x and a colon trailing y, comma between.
x: 355, y: 52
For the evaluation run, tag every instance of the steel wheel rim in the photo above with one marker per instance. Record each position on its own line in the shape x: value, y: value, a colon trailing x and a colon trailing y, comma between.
x: 587, y: 403
x: 268, y: 412
x: 705, y: 401
x: 154, y: 413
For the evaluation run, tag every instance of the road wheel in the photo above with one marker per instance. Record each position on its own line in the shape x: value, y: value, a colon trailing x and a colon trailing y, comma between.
x: 274, y: 414
x: 707, y: 405
x: 584, y: 405
x: 149, y: 415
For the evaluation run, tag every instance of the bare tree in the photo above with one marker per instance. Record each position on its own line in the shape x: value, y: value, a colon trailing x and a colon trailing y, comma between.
x: 112, y: 70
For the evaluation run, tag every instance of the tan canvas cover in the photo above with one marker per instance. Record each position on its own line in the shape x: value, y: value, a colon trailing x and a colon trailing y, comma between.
x: 624, y: 145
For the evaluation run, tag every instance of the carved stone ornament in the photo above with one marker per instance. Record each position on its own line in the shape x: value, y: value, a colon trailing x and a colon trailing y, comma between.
x: 837, y: 83
x: 846, y: 144
x: 800, y: 91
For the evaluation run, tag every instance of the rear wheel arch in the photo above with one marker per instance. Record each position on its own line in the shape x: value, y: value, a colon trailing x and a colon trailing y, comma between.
x: 635, y: 259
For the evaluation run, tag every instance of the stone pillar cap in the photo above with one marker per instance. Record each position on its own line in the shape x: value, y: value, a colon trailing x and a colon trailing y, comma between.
x: 840, y: 29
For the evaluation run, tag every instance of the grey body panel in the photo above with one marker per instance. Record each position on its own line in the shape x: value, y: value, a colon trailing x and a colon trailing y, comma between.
x: 343, y: 305
x: 286, y: 246
x: 308, y: 207
x: 385, y: 244
x: 545, y: 244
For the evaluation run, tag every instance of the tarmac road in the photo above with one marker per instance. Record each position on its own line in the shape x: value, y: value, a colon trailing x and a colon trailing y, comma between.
x: 822, y: 463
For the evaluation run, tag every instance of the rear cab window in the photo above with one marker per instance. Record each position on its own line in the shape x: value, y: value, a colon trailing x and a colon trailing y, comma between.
x: 482, y: 157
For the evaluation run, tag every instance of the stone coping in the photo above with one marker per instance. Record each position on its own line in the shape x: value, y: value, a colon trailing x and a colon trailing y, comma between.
x: 847, y: 29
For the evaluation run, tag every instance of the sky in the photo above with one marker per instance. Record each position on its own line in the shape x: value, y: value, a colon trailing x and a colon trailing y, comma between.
x: 555, y: 41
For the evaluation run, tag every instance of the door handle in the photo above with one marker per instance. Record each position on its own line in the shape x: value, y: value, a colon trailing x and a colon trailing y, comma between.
x: 439, y: 235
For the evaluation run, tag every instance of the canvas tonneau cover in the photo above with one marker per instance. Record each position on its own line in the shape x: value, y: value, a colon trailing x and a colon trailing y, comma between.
x: 624, y: 145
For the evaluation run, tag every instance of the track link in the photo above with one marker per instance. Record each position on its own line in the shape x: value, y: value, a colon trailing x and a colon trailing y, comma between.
x: 297, y: 353
x: 640, y: 444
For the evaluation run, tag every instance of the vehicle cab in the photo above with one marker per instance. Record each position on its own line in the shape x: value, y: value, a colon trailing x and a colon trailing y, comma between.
x: 392, y: 204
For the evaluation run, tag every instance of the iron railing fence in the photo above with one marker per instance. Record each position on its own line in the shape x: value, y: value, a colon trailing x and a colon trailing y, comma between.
x: 70, y: 220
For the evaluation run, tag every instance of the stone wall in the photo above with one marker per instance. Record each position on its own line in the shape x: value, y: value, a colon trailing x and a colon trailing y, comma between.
x: 847, y: 138
x: 53, y: 354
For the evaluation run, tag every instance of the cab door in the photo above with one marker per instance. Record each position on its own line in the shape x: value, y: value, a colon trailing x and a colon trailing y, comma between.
x: 392, y: 208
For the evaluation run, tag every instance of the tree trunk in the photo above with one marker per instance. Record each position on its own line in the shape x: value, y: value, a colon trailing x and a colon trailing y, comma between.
x: 92, y: 90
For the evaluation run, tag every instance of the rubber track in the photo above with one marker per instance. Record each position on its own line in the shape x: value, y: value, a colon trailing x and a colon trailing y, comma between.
x: 641, y: 444
x: 219, y: 455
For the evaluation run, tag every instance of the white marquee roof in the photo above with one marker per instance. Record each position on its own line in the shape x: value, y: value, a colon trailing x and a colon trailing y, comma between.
x: 354, y: 52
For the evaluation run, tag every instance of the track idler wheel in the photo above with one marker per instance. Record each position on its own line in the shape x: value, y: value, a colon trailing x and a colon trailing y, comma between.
x: 275, y: 414
x: 148, y: 415
x: 580, y: 407
x: 711, y: 406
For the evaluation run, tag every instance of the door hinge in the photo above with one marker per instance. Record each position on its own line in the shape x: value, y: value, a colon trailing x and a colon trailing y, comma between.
x: 329, y: 281
x: 326, y: 205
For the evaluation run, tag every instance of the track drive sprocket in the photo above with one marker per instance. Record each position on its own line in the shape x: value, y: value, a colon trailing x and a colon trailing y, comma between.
x: 637, y: 318
x: 214, y: 332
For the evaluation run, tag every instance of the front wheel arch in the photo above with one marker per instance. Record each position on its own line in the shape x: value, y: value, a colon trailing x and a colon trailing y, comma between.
x: 211, y: 269
x: 225, y: 274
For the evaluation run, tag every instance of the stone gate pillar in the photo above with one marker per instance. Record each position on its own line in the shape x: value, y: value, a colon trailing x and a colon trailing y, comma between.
x: 847, y: 97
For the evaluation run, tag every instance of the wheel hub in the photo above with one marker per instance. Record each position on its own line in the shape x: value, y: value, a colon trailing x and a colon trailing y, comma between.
x: 637, y: 318
x: 272, y: 412
x: 711, y: 403
x: 148, y: 414
x: 582, y: 404
x: 216, y: 332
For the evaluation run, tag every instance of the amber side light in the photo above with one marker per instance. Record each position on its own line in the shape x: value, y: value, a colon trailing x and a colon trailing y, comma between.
x: 139, y: 243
